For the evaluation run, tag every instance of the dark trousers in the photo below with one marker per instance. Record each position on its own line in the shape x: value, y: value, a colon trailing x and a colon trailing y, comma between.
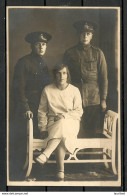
x: 17, y: 147
x: 36, y: 132
x: 92, y: 121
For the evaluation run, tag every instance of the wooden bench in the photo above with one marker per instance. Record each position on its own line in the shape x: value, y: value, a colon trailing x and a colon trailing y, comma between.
x: 107, y: 145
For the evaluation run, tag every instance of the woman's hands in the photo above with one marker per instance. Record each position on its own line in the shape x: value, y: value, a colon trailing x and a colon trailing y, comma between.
x: 58, y: 117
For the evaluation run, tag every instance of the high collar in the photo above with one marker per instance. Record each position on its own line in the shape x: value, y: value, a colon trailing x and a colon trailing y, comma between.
x: 84, y: 47
x: 37, y: 56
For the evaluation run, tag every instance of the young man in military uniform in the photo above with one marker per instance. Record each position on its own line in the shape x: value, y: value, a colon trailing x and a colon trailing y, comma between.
x: 31, y: 75
x: 88, y: 70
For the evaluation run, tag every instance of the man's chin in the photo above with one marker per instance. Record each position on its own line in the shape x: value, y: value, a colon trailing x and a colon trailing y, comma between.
x: 41, y: 54
x: 85, y: 43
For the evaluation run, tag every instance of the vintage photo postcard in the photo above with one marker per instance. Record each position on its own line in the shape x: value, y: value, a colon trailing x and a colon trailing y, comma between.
x: 63, y: 96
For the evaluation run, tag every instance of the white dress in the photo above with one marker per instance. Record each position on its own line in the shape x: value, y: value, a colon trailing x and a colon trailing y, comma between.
x: 67, y: 102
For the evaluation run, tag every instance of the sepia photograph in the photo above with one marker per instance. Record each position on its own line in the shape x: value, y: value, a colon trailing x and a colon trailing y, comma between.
x: 63, y: 96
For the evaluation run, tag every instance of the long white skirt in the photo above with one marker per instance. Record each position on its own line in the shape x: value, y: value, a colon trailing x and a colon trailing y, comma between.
x: 66, y: 130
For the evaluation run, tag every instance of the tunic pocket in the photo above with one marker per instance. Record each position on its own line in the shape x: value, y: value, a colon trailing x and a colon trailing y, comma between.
x: 91, y: 65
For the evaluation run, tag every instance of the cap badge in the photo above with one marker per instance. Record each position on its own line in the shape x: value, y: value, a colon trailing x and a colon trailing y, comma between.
x: 86, y: 26
x: 42, y: 37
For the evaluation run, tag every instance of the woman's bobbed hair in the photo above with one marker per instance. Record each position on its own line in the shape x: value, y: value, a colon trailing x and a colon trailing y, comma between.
x: 59, y: 67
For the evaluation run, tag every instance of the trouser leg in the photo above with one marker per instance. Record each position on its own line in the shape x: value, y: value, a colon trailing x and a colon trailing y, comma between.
x: 36, y: 132
x: 92, y: 121
x: 17, y: 147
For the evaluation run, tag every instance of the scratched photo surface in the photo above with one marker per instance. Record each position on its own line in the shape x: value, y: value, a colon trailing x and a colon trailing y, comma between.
x: 94, y: 158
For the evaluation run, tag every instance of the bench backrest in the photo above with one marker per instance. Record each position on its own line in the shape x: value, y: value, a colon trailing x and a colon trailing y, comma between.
x: 110, y: 122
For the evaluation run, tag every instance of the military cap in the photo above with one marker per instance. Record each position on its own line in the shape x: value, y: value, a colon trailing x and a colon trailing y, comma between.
x: 85, y: 26
x: 38, y: 37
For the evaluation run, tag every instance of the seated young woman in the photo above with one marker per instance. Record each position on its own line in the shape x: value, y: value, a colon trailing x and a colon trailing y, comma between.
x: 59, y: 116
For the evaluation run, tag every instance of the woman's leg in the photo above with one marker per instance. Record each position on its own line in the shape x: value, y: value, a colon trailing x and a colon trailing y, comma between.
x: 60, y: 155
x: 52, y: 145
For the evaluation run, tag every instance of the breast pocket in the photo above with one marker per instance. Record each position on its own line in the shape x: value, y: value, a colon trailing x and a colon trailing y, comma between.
x: 91, y: 65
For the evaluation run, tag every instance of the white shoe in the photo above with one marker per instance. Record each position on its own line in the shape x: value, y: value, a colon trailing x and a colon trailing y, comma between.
x: 60, y: 175
x: 42, y: 159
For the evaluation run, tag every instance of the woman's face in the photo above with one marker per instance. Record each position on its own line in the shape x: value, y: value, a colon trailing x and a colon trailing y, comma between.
x: 40, y: 48
x: 61, y: 76
x: 85, y: 37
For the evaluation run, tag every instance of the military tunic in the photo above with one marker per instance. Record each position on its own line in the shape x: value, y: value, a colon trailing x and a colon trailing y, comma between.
x: 88, y: 66
x: 30, y: 77
x: 88, y: 71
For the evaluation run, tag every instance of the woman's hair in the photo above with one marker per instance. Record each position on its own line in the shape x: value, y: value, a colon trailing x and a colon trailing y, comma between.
x: 59, y: 67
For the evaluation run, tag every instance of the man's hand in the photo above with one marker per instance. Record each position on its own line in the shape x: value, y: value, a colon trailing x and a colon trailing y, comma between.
x: 43, y: 134
x: 28, y: 115
x: 103, y: 105
x: 58, y: 117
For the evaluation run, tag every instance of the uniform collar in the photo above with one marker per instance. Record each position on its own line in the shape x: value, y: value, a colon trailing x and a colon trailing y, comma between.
x: 37, y: 56
x: 85, y: 48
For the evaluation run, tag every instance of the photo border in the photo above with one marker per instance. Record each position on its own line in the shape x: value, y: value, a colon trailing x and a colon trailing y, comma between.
x: 66, y: 183
x: 118, y: 3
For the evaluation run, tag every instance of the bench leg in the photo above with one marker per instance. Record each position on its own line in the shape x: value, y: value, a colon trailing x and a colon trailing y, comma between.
x: 27, y: 155
x: 26, y: 163
x: 30, y: 161
x: 114, y: 167
x: 114, y: 159
x: 29, y: 146
x: 29, y: 168
x: 104, y: 157
x: 114, y: 153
